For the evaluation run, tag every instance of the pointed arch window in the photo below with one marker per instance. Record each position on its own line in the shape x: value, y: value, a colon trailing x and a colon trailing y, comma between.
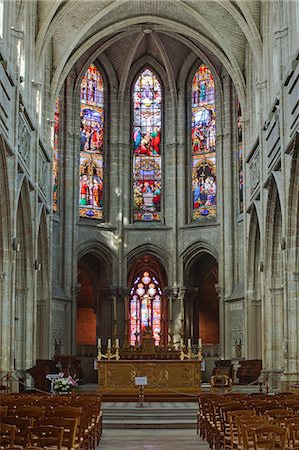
x: 145, y: 307
x: 56, y: 154
x: 92, y: 144
x: 203, y: 145
x: 240, y: 156
x: 147, y: 118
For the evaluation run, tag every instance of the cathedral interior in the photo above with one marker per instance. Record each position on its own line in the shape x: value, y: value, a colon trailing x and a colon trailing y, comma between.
x: 149, y: 178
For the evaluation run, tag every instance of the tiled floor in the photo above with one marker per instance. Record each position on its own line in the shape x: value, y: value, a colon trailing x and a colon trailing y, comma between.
x: 152, y: 440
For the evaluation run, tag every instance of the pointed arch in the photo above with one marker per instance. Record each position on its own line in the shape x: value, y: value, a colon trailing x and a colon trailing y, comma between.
x: 293, y: 202
x: 42, y: 266
x: 92, y: 131
x: 147, y: 163
x: 203, y: 122
x: 25, y: 307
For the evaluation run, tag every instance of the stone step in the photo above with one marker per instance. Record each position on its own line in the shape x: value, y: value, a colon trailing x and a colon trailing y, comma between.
x: 151, y: 415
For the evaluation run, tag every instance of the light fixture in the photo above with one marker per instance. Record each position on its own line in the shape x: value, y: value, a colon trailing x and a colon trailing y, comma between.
x: 16, y: 245
x: 37, y: 265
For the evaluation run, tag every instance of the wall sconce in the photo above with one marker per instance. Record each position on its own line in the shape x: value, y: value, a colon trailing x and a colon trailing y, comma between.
x: 283, y: 244
x: 16, y: 245
x: 37, y: 265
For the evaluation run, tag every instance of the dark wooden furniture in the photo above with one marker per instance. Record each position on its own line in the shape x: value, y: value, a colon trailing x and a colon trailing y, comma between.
x: 249, y: 371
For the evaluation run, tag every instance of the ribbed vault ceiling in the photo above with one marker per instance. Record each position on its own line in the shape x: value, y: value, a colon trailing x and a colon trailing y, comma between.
x: 218, y: 30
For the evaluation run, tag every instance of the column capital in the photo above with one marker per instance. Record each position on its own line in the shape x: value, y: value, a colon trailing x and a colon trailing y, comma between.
x: 120, y: 292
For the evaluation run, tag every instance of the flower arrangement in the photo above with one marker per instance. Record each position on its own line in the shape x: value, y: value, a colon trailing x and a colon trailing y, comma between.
x: 64, y: 384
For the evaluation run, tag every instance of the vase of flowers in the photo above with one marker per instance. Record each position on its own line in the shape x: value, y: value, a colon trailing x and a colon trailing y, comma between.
x: 63, y: 384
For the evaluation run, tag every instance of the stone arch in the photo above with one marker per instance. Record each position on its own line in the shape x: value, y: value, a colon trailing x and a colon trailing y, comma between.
x: 160, y: 253
x: 273, y: 305
x: 200, y: 266
x: 42, y: 267
x: 25, y: 307
x: 191, y: 253
x: 228, y: 61
x: 149, y: 265
x: 96, y: 266
x: 254, y: 288
x: 293, y: 209
x: 6, y: 306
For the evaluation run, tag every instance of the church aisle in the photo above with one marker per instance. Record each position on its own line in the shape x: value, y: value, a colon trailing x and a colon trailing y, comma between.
x: 152, y: 439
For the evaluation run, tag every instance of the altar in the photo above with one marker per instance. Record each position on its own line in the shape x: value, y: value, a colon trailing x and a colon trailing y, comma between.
x: 170, y: 371
x: 163, y: 376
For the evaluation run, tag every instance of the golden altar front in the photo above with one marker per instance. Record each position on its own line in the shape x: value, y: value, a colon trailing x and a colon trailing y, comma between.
x: 163, y: 376
x: 170, y: 371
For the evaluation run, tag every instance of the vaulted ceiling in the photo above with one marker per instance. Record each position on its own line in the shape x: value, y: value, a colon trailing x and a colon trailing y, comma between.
x: 217, y: 31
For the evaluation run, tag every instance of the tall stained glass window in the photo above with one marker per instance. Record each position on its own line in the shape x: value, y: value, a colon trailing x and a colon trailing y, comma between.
x: 92, y: 144
x: 56, y: 154
x: 145, y: 307
x: 147, y: 113
x: 240, y: 157
x: 203, y: 145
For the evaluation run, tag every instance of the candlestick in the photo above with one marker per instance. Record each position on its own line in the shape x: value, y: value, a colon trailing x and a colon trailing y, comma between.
x: 114, y: 308
x: 109, y: 343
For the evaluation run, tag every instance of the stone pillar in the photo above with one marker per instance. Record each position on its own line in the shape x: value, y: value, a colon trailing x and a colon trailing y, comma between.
x: 291, y: 341
x: 172, y: 295
x: 120, y: 306
x: 105, y: 314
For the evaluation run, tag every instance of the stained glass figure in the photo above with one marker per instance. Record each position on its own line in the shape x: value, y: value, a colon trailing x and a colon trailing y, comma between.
x: 147, y: 113
x: 56, y: 154
x: 203, y: 145
x: 240, y: 156
x: 145, y: 307
x: 92, y: 144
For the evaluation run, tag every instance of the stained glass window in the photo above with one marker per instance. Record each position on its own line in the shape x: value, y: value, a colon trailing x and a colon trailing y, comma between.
x: 147, y: 113
x: 203, y: 145
x: 92, y: 144
x: 240, y: 157
x: 56, y: 154
x: 145, y: 307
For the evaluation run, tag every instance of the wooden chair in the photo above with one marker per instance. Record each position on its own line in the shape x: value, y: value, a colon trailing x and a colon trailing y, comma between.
x: 36, y: 412
x: 22, y: 425
x: 269, y: 438
x: 73, y: 412
x: 69, y: 433
x: 246, y: 427
x: 46, y: 436
x: 3, y: 411
x: 234, y: 438
x: 7, y: 434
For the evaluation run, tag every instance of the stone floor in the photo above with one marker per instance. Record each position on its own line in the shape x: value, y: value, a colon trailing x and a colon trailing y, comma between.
x: 152, y: 440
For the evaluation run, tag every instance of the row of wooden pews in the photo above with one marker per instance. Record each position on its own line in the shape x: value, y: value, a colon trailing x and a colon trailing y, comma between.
x: 237, y: 421
x: 62, y: 422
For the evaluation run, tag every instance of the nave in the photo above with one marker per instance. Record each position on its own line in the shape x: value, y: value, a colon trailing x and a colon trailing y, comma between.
x: 152, y: 440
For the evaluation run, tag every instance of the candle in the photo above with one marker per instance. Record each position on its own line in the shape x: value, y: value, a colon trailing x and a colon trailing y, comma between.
x: 117, y: 343
x: 99, y: 342
x: 189, y: 343
x: 114, y: 308
x: 199, y: 342
x: 109, y: 343
x: 170, y: 309
x: 181, y: 342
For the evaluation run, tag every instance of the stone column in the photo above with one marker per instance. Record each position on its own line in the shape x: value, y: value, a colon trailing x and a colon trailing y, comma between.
x: 105, y: 314
x: 121, y: 318
x: 172, y: 295
x: 291, y: 341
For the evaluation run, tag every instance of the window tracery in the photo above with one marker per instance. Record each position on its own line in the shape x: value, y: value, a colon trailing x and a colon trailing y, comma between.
x: 92, y: 144
x: 203, y: 145
x: 56, y: 154
x: 145, y: 307
x: 147, y: 113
